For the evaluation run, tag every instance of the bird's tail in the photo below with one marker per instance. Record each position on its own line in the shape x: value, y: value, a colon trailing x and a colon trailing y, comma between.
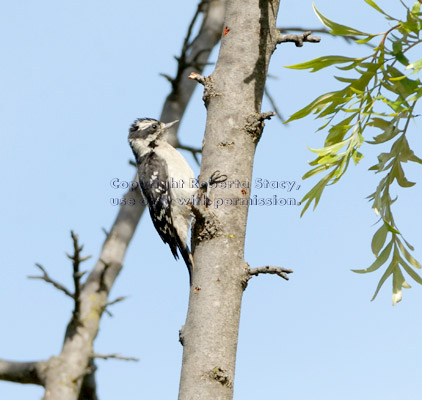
x: 187, y: 257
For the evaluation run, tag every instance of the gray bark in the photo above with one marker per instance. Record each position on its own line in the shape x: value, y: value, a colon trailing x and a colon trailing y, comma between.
x: 234, y: 124
x: 32, y: 372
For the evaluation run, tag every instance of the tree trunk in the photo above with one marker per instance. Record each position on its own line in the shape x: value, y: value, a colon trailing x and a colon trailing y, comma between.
x: 233, y: 95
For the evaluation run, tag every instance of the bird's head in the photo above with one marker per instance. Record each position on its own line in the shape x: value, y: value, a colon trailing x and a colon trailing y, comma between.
x: 148, y: 130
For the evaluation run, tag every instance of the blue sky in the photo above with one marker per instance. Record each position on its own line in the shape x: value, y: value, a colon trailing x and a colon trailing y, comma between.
x: 74, y: 75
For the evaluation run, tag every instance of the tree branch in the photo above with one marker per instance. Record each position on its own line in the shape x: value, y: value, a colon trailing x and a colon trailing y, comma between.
x: 110, y: 303
x: 77, y: 275
x: 48, y: 279
x: 280, y: 271
x: 298, y: 40
x: 194, y: 151
x: 324, y: 31
x: 114, y: 357
x: 32, y: 372
x: 194, y: 56
x: 274, y: 105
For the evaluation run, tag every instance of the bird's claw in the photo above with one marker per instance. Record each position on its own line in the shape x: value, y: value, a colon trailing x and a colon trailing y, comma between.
x: 216, y: 177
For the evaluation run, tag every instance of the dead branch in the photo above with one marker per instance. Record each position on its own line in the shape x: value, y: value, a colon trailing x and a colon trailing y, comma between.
x: 280, y: 271
x: 274, y: 105
x: 110, y: 303
x: 77, y: 275
x: 114, y: 357
x: 349, y: 39
x: 32, y: 372
x: 46, y: 278
x: 193, y: 150
x: 298, y: 40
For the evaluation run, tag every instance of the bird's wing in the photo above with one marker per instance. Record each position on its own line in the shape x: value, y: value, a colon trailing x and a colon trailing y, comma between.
x: 152, y: 175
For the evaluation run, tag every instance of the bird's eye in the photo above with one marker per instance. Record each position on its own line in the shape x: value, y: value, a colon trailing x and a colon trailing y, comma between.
x: 154, y: 126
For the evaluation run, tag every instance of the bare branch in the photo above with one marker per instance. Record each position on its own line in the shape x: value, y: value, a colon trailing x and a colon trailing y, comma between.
x: 194, y: 56
x: 118, y: 300
x: 299, y: 39
x: 273, y: 105
x: 47, y: 279
x: 115, y: 301
x: 280, y: 271
x: 23, y: 372
x: 324, y: 31
x: 77, y: 275
x: 182, y: 60
x: 115, y: 357
x: 198, y: 77
x: 301, y: 29
x: 194, y: 151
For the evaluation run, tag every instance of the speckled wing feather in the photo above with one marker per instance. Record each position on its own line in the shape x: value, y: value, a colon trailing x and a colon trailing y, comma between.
x: 152, y: 175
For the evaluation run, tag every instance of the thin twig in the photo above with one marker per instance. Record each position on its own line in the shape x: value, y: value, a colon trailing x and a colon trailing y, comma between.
x: 274, y: 105
x: 114, y: 356
x: 48, y: 279
x: 115, y: 301
x: 182, y: 63
x: 298, y: 40
x: 280, y: 271
x: 77, y: 275
x: 111, y: 303
x: 198, y: 77
x: 324, y: 31
x: 193, y: 150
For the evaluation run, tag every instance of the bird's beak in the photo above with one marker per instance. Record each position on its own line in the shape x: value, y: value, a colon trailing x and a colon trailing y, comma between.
x: 170, y: 124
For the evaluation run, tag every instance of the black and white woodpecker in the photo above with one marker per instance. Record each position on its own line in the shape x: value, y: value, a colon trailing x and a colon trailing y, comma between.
x: 167, y: 184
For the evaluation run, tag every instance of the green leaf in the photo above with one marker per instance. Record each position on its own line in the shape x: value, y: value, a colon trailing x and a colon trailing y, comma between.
x: 416, y: 9
x: 315, y: 193
x: 380, y: 260
x: 323, y: 62
x: 315, y: 106
x: 408, y: 256
x: 315, y: 171
x: 386, y: 274
x: 416, y: 66
x: 357, y: 156
x: 398, y: 283
x: 391, y: 228
x: 379, y: 239
x: 411, y: 272
x: 398, y: 173
x: 332, y: 149
x: 389, y: 128
x: 383, y: 158
x: 372, y: 4
x: 337, y: 29
x: 365, y: 40
x: 397, y: 47
x: 401, y: 146
x: 401, y: 84
x: 338, y: 131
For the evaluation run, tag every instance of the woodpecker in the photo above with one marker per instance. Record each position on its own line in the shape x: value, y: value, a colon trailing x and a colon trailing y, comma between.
x: 167, y: 184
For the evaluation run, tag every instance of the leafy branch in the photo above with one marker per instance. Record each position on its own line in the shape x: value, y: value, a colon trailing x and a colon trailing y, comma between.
x: 378, y: 95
